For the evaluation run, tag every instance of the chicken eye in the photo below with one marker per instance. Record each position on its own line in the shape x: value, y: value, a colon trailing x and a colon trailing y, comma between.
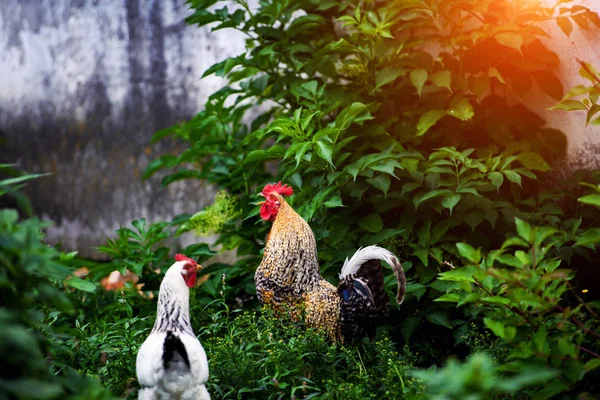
x: 186, y: 269
x: 271, y: 197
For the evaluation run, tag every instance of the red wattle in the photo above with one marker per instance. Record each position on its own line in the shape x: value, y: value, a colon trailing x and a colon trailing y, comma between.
x: 190, y: 280
x: 264, y: 212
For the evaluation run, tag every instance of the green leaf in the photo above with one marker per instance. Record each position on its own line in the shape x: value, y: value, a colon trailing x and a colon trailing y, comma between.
x: 509, y: 259
x: 499, y: 329
x: 551, y: 389
x: 409, y: 326
x: 592, y: 364
x: 311, y: 87
x: 381, y: 182
x: 461, y: 108
x: 463, y: 274
x: 473, y: 219
x: 594, y: 109
x: 418, y: 77
x: 428, y: 119
x: 515, y: 241
x: 569, y: 105
x: 301, y: 152
x: 450, y: 297
x: 354, y: 113
x: 513, y: 176
x: 68, y: 256
x: 450, y: 201
x: 591, y: 199
x: 19, y: 179
x: 566, y: 347
x: 202, y: 17
x: 343, y: 143
x: 533, y: 161
x: 80, y: 284
x: 430, y: 195
x: 589, y: 237
x: 424, y: 234
x: 230, y: 63
x: 467, y: 251
x: 387, y: 75
x: 542, y: 233
x: 510, y: 39
x: 324, y: 151
x: 293, y: 149
x: 387, y: 167
x: 439, y: 317
x: 306, y: 121
x: 255, y: 155
x: 329, y: 132
x: 496, y: 178
x: 380, y: 236
x: 371, y: 223
x: 442, y: 79
x: 523, y: 229
x: 596, y: 188
x: 540, y: 340
x: 335, y: 201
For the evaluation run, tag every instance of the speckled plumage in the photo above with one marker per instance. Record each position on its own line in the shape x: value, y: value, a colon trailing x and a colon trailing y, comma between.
x: 288, y: 277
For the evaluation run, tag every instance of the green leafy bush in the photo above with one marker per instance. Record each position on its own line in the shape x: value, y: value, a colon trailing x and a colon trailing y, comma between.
x: 395, y: 122
x: 520, y: 291
x: 479, y: 378
x: 35, y: 283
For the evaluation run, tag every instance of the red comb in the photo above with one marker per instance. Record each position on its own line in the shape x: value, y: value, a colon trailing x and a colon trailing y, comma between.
x: 284, y: 190
x: 181, y: 257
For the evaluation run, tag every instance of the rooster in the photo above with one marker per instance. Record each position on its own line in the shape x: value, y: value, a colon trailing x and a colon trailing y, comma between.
x: 171, y: 363
x: 288, y: 275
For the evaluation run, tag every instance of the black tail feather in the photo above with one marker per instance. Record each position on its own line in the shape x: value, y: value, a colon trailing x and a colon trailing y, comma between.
x: 372, y: 274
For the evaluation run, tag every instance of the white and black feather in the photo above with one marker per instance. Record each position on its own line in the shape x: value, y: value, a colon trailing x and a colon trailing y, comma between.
x: 172, y: 364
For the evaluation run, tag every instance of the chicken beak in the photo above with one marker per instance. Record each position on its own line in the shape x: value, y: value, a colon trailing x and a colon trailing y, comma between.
x: 198, y: 267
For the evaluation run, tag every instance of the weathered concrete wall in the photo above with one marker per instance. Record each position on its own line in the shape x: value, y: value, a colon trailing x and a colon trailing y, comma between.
x: 583, y: 142
x: 83, y: 86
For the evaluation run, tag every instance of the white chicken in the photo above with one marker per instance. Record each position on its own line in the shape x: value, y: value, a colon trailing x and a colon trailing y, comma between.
x: 171, y: 363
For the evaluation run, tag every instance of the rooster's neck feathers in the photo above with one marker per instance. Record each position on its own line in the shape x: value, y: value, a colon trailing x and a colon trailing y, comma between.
x: 291, y: 250
x: 173, y: 313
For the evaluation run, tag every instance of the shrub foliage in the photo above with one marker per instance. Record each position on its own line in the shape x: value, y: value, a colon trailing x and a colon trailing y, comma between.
x: 403, y: 123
